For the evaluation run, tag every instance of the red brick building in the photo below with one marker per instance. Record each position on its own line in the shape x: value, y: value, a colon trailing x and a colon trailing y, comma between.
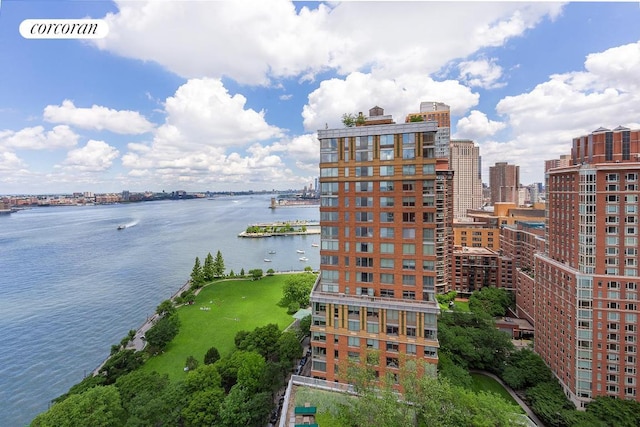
x: 386, y: 245
x: 586, y: 281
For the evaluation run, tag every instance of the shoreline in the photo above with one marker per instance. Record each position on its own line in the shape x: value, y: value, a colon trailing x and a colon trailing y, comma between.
x: 138, y: 343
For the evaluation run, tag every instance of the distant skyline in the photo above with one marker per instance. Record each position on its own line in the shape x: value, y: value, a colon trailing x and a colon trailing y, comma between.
x: 228, y: 95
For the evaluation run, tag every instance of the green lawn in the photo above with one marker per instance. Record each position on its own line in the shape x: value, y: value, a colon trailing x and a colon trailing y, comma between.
x: 485, y: 383
x: 231, y: 306
x: 459, y: 305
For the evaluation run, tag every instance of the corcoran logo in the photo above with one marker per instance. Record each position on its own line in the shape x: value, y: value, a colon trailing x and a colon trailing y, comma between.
x: 64, y: 29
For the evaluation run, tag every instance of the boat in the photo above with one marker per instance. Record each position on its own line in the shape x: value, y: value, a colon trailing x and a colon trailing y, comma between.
x: 272, y: 252
x: 267, y: 260
x: 314, y: 245
x: 304, y: 258
x: 122, y: 227
x: 300, y: 251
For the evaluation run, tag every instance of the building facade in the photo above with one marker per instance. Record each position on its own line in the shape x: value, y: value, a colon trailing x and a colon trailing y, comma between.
x: 440, y: 113
x: 464, y: 161
x: 586, y: 280
x: 504, y: 182
x: 476, y: 268
x: 385, y: 217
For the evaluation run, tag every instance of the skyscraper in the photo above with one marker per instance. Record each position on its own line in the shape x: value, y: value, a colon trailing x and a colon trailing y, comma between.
x: 586, y: 280
x: 464, y: 161
x: 385, y: 218
x: 504, y: 182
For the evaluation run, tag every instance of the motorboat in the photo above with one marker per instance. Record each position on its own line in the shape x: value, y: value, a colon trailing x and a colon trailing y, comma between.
x: 315, y: 245
x: 122, y: 227
x: 300, y: 251
x: 272, y: 252
x: 267, y: 260
x: 304, y: 258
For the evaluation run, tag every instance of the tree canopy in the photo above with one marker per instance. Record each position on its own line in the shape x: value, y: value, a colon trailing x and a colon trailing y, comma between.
x: 491, y: 300
x: 297, y: 290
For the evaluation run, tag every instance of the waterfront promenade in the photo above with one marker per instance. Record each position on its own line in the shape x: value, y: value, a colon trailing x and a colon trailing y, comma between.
x: 138, y: 342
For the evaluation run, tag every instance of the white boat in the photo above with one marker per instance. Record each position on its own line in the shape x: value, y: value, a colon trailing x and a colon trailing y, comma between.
x: 267, y: 260
x: 300, y: 251
x: 272, y: 252
x: 304, y: 258
x: 315, y: 245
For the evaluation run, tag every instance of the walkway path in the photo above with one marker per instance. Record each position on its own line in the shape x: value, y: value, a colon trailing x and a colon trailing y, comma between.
x: 513, y: 394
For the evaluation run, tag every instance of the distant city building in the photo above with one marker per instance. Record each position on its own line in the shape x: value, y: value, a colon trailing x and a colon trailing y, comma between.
x: 564, y: 160
x: 586, y: 281
x: 504, y: 182
x: 440, y: 112
x: 464, y: 161
x: 476, y: 268
x: 385, y: 215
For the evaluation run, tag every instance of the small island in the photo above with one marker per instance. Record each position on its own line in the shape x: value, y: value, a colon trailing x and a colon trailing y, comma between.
x: 281, y: 228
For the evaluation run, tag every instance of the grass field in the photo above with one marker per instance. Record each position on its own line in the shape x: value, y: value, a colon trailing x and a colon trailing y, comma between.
x: 459, y: 305
x: 485, y: 383
x: 221, y: 310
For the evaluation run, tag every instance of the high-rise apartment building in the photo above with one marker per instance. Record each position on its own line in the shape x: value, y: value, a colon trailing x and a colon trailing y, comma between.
x: 586, y: 280
x: 464, y: 161
x: 439, y: 112
x: 385, y: 218
x: 504, y: 182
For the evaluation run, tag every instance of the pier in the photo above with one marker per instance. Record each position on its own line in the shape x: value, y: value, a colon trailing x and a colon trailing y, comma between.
x: 281, y: 228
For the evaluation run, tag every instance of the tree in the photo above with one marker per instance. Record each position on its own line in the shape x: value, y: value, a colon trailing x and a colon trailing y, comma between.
x: 208, y: 269
x: 615, y: 412
x: 263, y: 339
x: 256, y: 274
x: 120, y: 364
x: 427, y: 401
x: 251, y: 372
x: 203, y: 408
x: 166, y: 308
x: 242, y: 272
x: 270, y: 272
x: 191, y: 364
x: 297, y: 290
x: 218, y: 265
x: 211, y: 356
x: 242, y: 408
x: 525, y: 369
x: 148, y: 398
x: 304, y: 327
x: 472, y: 341
x: 205, y: 377
x: 289, y: 347
x: 162, y: 332
x: 493, y: 301
x: 98, y: 406
x: 348, y: 120
x: 549, y: 403
x: 197, y: 276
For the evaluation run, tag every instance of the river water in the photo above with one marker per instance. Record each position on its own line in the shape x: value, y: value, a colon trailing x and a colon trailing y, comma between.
x: 71, y: 284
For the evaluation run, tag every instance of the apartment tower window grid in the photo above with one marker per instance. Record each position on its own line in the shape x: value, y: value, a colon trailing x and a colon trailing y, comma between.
x: 586, y: 281
x: 385, y: 246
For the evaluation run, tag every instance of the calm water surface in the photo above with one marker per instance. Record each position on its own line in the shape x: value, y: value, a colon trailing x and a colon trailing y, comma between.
x: 71, y: 284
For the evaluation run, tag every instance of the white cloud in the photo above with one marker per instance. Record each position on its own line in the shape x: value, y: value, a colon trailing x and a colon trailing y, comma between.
x: 36, y: 138
x: 544, y: 121
x: 397, y: 97
x: 10, y: 163
x: 476, y: 125
x: 255, y: 41
x: 209, y: 137
x: 482, y: 73
x: 98, y: 118
x: 95, y: 156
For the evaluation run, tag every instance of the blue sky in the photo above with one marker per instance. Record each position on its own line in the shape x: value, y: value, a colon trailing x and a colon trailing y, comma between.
x: 228, y: 95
